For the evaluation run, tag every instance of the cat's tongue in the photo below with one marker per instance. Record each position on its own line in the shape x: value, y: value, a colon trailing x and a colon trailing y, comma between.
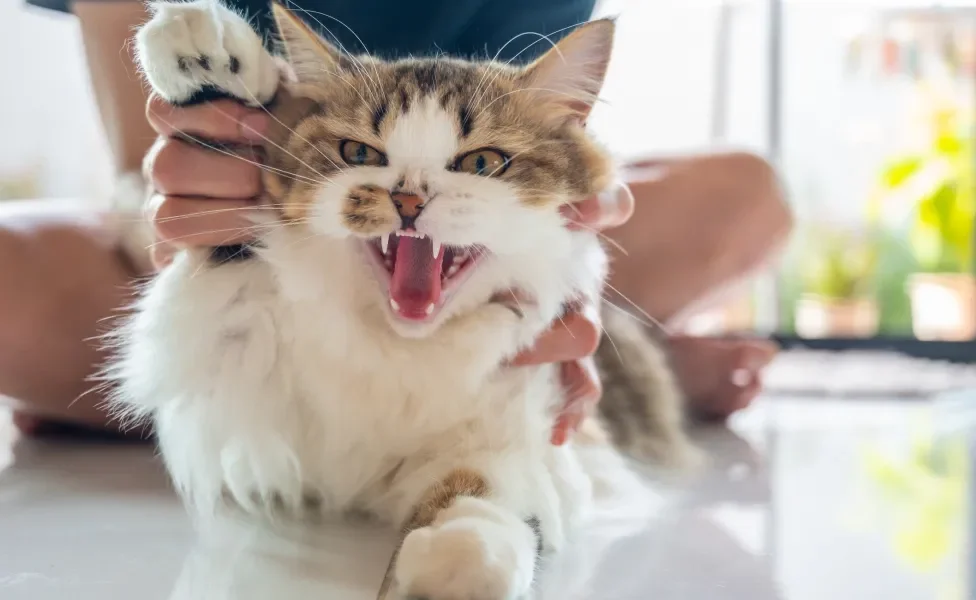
x: 415, y: 288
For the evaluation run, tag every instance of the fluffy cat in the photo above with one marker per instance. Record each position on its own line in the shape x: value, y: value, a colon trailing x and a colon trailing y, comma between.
x: 350, y: 359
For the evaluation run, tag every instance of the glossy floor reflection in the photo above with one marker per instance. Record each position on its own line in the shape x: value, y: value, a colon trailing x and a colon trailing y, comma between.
x: 803, y: 500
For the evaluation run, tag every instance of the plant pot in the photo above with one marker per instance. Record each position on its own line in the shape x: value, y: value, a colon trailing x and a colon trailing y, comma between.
x: 943, y: 306
x: 819, y: 317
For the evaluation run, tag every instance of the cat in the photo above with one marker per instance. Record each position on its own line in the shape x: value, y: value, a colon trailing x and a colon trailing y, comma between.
x: 351, y: 358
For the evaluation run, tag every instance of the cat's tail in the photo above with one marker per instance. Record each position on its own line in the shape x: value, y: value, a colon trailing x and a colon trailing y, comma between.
x: 642, y: 409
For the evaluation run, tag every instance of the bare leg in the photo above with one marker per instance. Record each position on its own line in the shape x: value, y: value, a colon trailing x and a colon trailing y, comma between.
x: 61, y: 281
x: 702, y: 224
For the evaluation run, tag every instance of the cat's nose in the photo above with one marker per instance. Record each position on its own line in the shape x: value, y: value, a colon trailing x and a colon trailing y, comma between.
x: 409, y: 206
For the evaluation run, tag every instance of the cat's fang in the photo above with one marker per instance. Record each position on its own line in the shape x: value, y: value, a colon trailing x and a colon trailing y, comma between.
x: 394, y: 305
x: 436, y: 246
x: 385, y: 243
x: 430, y: 309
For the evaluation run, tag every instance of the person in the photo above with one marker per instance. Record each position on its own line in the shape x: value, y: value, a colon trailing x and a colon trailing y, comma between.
x: 64, y: 270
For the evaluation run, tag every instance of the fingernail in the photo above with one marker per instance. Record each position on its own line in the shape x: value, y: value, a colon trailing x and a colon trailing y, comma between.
x: 741, y: 377
x: 611, y: 204
x: 581, y: 214
x: 253, y: 127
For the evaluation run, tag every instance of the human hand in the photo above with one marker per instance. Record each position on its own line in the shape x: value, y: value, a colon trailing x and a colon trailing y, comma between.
x: 572, y: 340
x: 201, y: 195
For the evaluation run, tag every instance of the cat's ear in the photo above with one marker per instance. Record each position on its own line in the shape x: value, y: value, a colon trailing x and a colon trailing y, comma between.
x: 311, y: 58
x: 569, y: 76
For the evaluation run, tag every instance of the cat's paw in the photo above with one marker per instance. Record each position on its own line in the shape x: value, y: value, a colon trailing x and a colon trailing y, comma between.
x: 193, y: 48
x: 474, y: 551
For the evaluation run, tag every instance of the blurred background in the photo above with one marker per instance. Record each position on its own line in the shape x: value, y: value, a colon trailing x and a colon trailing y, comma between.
x: 867, y: 107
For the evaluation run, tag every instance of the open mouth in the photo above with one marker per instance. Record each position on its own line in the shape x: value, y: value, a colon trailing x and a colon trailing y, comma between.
x: 421, y: 272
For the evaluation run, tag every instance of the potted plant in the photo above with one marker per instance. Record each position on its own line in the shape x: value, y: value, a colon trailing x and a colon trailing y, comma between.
x: 838, y: 299
x: 938, y: 183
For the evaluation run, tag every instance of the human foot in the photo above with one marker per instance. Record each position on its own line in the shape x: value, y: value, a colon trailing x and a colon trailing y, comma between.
x: 719, y: 375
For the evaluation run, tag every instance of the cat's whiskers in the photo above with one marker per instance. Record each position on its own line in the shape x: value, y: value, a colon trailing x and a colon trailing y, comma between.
x: 232, y: 232
x: 599, y: 234
x: 606, y: 333
x: 535, y: 89
x: 290, y: 130
x: 219, y: 150
x: 499, y: 72
x: 515, y: 37
x: 651, y: 321
x: 283, y: 149
x: 342, y: 77
x: 375, y: 82
x: 216, y: 211
x: 263, y: 167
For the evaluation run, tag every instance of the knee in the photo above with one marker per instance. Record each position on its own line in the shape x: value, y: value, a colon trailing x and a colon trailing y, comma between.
x: 759, y: 217
x: 53, y: 275
x: 19, y: 304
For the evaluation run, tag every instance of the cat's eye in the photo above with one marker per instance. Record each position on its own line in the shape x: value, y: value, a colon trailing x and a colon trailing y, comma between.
x: 359, y: 154
x: 485, y: 162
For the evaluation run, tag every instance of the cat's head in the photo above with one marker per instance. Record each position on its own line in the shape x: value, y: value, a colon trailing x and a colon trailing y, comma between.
x: 449, y: 174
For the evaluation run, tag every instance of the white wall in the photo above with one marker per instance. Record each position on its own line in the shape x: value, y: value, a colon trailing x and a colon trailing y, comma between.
x: 47, y: 116
x: 660, y: 89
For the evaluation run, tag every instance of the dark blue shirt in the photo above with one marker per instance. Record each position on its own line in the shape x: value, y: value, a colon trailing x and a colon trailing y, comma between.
x: 391, y: 28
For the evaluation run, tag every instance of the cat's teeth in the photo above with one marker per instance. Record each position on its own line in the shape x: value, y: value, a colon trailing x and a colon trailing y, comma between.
x: 436, y: 246
x: 394, y: 305
x: 452, y: 270
x: 385, y: 242
x: 430, y: 309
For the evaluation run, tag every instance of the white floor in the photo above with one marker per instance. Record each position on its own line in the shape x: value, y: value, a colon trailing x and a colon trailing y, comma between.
x: 805, y: 499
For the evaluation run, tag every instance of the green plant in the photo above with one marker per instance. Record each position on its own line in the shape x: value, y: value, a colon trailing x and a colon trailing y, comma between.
x: 925, y: 497
x: 23, y: 185
x: 939, y: 182
x: 839, y: 264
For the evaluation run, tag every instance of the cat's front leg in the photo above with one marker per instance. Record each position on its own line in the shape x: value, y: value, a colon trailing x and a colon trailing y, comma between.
x: 461, y: 544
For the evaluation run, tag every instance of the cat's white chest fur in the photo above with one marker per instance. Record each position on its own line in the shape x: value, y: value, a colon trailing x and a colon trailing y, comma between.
x: 293, y: 388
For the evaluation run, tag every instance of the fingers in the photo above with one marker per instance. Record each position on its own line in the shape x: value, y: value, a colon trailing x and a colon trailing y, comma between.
x: 179, y: 168
x: 201, y: 221
x: 223, y: 120
x: 574, y: 336
x: 202, y: 196
x: 581, y: 384
x: 603, y: 211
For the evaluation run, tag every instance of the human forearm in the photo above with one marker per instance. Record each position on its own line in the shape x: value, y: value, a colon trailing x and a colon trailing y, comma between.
x: 107, y: 28
x: 701, y: 223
